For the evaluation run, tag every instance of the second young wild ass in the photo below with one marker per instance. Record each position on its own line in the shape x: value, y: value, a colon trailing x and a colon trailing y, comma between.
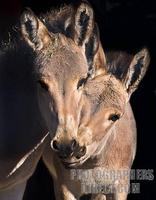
x: 84, y: 98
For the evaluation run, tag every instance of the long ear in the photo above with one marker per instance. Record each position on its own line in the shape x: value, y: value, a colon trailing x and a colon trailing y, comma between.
x: 83, y: 24
x: 86, y: 34
x: 34, y: 31
x: 94, y: 52
x: 137, y: 70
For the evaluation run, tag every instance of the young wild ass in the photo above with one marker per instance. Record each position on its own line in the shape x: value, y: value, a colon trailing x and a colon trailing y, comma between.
x: 83, y: 97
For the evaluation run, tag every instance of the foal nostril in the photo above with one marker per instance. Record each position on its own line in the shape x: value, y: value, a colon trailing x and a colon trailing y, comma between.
x: 73, y: 144
x: 81, y: 152
x: 55, y: 145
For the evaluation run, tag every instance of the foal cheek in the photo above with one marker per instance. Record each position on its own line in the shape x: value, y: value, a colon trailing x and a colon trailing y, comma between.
x: 100, y: 130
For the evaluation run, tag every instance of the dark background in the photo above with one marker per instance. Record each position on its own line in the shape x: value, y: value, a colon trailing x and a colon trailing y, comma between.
x: 124, y: 25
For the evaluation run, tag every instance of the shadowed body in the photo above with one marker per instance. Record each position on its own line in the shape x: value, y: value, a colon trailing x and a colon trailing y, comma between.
x: 21, y: 126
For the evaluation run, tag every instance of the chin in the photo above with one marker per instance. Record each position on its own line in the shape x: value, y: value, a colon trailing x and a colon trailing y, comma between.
x: 73, y: 165
x: 77, y: 163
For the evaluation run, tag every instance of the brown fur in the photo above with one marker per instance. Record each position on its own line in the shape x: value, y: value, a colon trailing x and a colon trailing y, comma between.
x: 85, y: 113
x: 81, y: 92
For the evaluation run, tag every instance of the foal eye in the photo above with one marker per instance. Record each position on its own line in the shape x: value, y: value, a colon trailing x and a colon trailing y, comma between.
x: 114, y: 117
x: 43, y: 85
x: 81, y: 82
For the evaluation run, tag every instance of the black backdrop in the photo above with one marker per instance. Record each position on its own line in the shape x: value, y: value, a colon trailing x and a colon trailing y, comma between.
x: 124, y: 25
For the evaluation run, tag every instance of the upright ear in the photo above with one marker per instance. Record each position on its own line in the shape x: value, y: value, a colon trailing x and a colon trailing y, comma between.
x: 83, y: 23
x: 34, y: 31
x: 86, y: 34
x: 137, y: 70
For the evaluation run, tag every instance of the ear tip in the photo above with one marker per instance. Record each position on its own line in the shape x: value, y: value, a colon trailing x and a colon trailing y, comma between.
x: 145, y: 51
x: 85, y: 6
x: 84, y: 9
x: 147, y: 54
x: 26, y: 15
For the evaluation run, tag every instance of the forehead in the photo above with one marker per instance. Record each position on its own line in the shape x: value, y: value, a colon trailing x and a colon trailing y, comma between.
x: 66, y: 61
x: 106, y: 91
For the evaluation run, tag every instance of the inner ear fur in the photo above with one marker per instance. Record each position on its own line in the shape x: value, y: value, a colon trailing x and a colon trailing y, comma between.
x: 83, y: 23
x: 137, y: 70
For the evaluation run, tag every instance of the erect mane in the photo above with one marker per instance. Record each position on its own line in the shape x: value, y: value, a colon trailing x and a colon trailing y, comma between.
x: 118, y: 63
x: 58, y: 19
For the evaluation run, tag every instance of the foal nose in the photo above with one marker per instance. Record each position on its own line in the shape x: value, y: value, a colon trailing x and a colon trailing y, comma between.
x: 67, y: 150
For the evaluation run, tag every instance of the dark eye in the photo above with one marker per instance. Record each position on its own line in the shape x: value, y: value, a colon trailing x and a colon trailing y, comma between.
x: 114, y: 117
x: 43, y: 85
x: 81, y: 82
